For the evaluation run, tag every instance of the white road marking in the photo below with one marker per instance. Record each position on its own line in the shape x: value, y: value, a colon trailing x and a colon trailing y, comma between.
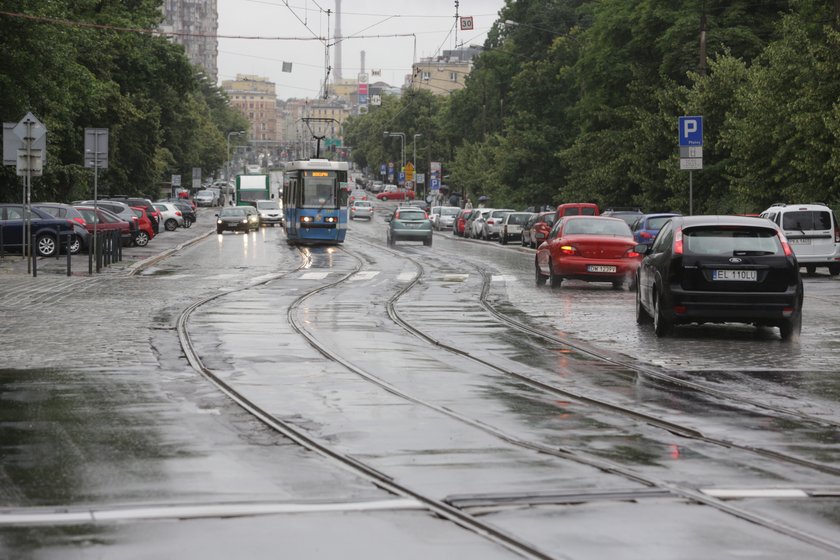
x: 366, y: 275
x: 454, y: 278
x: 314, y: 275
x: 732, y: 493
x: 406, y: 277
x: 502, y: 278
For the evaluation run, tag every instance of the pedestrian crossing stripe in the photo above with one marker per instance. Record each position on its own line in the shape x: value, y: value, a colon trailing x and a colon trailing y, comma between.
x: 406, y: 277
x: 314, y: 275
x: 503, y: 278
x: 366, y: 275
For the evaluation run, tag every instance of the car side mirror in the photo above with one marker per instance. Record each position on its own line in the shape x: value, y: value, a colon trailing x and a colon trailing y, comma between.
x: 217, y: 215
x: 643, y: 249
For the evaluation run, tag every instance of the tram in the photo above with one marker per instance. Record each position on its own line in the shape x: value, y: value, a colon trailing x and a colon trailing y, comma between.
x: 315, y: 201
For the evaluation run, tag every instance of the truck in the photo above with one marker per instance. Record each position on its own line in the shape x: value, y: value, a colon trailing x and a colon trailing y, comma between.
x: 250, y: 189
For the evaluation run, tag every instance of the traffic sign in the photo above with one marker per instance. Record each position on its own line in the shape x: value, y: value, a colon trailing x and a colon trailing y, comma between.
x: 382, y: 169
x: 421, y: 178
x: 96, y: 148
x: 691, y: 164
x: 691, y: 131
x: 435, y: 184
x: 409, y: 171
x: 176, y: 180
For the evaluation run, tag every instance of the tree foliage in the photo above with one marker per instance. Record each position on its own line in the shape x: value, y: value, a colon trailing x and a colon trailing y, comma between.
x: 162, y: 115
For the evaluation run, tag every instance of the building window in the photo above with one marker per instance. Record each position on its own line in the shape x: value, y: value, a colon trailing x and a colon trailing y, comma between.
x: 425, y: 76
x: 453, y: 76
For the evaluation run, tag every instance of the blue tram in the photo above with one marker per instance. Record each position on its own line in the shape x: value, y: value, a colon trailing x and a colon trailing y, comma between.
x: 315, y: 201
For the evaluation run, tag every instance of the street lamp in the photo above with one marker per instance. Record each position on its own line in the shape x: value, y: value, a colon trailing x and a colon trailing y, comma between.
x: 402, y: 144
x: 234, y: 133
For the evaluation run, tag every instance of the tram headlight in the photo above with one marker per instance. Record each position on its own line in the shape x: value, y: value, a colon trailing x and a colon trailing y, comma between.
x: 331, y: 219
x: 306, y: 219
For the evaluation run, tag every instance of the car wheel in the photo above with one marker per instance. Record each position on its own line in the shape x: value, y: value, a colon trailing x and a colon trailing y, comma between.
x: 642, y: 316
x: 219, y: 230
x: 428, y: 242
x: 45, y: 245
x: 391, y: 242
x: 834, y: 269
x: 187, y: 223
x: 141, y: 239
x: 791, y: 327
x: 662, y: 325
x: 617, y: 284
x: 811, y: 269
x: 171, y: 224
x: 539, y: 277
x: 503, y: 239
x: 553, y: 279
x: 75, y: 245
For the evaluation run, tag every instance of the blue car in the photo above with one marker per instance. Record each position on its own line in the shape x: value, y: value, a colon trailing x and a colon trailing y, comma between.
x: 48, y: 231
x: 647, y: 227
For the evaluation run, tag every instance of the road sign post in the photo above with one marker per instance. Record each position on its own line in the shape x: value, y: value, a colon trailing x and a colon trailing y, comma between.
x: 691, y: 151
x: 96, y: 156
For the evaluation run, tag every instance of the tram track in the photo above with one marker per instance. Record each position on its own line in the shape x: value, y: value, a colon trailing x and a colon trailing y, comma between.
x: 441, y: 507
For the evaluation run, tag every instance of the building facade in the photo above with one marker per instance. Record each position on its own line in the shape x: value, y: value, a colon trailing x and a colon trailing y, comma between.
x: 256, y: 98
x: 199, y: 19
x: 444, y: 74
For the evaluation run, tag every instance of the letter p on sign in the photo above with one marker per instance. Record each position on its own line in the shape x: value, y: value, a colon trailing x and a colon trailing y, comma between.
x: 691, y: 131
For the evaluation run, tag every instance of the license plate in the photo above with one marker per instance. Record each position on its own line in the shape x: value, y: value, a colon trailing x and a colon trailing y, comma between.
x: 600, y: 268
x: 799, y: 241
x: 734, y: 275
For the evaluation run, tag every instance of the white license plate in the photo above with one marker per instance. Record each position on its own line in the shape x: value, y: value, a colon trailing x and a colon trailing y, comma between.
x: 735, y: 275
x: 799, y: 241
x: 600, y: 268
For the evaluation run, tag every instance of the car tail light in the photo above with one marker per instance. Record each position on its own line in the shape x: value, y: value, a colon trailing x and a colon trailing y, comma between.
x: 645, y: 235
x: 680, y: 309
x: 837, y: 233
x: 568, y: 250
x: 632, y: 254
x: 177, y: 213
x: 678, y: 242
x: 785, y: 245
x: 80, y: 221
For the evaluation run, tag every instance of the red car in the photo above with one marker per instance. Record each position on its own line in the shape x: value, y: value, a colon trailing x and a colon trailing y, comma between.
x: 107, y: 221
x: 591, y: 248
x: 460, y: 222
x: 145, y: 230
x: 535, y: 231
x: 391, y: 192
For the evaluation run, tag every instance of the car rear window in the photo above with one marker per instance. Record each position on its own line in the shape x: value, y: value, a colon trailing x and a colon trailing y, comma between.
x: 806, y: 220
x: 411, y: 215
x: 518, y: 218
x: 597, y: 226
x: 731, y: 241
x: 657, y: 223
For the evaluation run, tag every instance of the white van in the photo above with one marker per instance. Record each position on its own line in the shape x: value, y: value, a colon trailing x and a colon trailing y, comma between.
x: 812, y: 232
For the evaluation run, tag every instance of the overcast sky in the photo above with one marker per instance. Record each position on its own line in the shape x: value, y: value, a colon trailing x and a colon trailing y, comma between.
x: 432, y: 21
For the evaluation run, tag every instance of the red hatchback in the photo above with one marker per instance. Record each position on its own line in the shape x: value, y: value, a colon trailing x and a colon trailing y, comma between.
x: 591, y: 248
x: 146, y: 230
x: 106, y: 221
x: 460, y: 222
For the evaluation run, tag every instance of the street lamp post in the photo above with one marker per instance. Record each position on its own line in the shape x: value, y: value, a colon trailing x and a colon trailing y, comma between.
x: 402, y: 149
x: 414, y: 163
x: 234, y: 133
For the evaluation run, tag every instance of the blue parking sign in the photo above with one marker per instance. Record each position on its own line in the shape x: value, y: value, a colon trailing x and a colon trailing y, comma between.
x: 691, y: 131
x: 382, y: 169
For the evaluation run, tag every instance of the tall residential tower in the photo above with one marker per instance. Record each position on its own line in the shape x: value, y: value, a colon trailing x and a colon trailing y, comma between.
x: 199, y: 19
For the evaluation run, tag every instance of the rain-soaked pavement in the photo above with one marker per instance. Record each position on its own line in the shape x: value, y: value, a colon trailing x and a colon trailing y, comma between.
x: 434, y: 375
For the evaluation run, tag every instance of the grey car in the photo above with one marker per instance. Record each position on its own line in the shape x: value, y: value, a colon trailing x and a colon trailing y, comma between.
x: 361, y: 209
x: 409, y: 224
x: 237, y: 218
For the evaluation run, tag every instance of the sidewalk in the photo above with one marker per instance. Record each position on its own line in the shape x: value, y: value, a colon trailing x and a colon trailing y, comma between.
x: 164, y: 244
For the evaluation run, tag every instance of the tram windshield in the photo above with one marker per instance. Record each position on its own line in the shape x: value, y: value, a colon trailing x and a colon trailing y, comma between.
x: 319, y: 189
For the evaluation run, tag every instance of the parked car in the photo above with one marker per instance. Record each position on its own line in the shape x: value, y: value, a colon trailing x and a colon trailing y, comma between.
x: 719, y: 269
x: 459, y: 224
x: 475, y: 223
x: 536, y: 229
x: 443, y: 217
x: 237, y: 218
x: 511, y: 227
x: 117, y: 207
x: 421, y: 204
x: 104, y: 221
x: 171, y: 217
x: 206, y: 198
x: 377, y: 187
x: 576, y: 209
x: 812, y: 232
x: 647, y: 226
x: 146, y: 203
x: 409, y: 224
x: 361, y: 209
x: 48, y: 231
x: 491, y: 225
x: 392, y: 192
x: 145, y: 231
x: 270, y: 212
x: 629, y: 215
x: 186, y: 208
x: 591, y: 248
x: 81, y: 240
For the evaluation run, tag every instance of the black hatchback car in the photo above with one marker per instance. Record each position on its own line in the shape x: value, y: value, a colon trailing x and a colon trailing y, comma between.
x: 237, y: 218
x: 719, y: 269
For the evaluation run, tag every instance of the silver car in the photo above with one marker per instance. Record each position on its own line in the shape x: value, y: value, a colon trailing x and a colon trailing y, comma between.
x: 443, y: 217
x: 270, y: 212
x: 361, y: 209
x: 492, y: 223
x: 170, y: 216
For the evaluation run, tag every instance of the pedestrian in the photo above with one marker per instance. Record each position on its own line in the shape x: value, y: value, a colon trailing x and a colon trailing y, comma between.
x: 468, y: 205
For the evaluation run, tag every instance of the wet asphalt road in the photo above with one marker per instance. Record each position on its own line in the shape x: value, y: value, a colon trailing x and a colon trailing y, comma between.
x: 394, y: 358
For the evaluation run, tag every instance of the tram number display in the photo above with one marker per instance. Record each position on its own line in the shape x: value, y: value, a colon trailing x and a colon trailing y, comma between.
x: 320, y: 173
